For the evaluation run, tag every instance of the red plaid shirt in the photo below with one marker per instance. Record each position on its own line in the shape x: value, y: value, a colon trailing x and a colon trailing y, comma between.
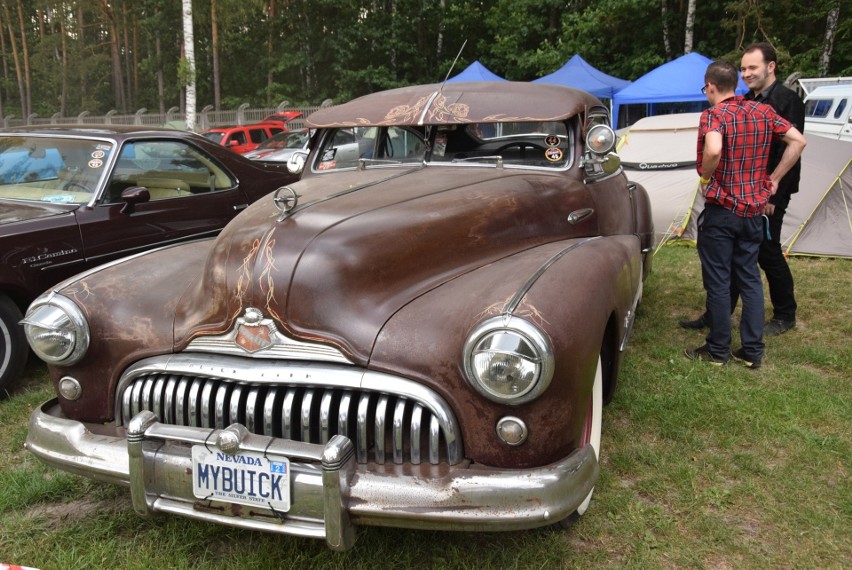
x: 740, y: 182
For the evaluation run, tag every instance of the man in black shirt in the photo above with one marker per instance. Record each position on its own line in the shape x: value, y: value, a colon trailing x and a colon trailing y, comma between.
x: 757, y: 67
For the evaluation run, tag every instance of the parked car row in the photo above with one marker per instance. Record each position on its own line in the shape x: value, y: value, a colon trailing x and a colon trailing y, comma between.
x: 245, y: 138
x: 73, y: 198
x: 421, y: 332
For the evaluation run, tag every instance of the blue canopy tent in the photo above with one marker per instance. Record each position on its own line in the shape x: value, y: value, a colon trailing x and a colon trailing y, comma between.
x: 476, y: 72
x: 677, y: 81
x: 579, y: 74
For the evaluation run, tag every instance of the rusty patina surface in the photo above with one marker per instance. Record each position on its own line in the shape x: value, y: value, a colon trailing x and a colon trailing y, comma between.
x: 412, y: 228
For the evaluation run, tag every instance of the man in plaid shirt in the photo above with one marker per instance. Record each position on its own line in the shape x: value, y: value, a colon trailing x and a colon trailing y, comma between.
x: 734, y: 138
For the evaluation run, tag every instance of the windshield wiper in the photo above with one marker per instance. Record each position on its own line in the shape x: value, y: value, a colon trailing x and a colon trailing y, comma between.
x: 362, y: 162
x: 496, y: 157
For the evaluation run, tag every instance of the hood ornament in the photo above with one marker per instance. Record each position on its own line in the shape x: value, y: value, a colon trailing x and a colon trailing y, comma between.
x: 285, y: 199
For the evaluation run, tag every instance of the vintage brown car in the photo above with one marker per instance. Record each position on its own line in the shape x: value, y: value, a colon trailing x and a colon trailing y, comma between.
x: 75, y: 197
x: 420, y: 334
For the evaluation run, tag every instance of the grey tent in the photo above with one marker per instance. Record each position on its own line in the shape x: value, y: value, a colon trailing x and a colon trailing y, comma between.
x: 659, y: 153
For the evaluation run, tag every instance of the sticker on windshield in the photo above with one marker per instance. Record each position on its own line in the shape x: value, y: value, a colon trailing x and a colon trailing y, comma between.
x: 328, y: 154
x: 98, y: 154
x: 553, y: 154
x: 96, y: 163
x: 551, y: 140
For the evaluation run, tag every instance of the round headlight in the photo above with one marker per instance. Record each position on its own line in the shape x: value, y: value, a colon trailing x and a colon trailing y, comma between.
x: 56, y: 330
x: 600, y: 139
x: 508, y: 360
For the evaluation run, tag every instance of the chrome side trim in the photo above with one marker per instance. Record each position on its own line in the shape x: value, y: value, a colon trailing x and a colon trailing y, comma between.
x: 630, y: 318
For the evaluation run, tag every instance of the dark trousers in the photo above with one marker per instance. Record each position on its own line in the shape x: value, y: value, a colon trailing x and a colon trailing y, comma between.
x: 771, y: 260
x: 728, y: 246
x: 774, y: 265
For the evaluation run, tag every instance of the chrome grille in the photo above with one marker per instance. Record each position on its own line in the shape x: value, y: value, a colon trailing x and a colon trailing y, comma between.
x: 384, y: 426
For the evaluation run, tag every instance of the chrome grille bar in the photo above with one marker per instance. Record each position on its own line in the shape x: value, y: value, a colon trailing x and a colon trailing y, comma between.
x: 387, y: 418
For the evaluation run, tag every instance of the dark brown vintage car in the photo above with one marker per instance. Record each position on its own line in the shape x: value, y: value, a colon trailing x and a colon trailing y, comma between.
x: 420, y: 333
x: 75, y: 197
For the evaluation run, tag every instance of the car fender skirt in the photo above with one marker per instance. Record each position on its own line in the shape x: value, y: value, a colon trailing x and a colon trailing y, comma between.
x: 330, y: 493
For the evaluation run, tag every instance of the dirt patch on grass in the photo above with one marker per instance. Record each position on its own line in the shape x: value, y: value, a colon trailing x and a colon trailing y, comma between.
x: 59, y: 514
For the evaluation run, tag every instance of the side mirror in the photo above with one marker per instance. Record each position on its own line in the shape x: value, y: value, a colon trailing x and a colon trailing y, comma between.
x: 132, y: 196
x: 296, y: 162
x: 611, y: 163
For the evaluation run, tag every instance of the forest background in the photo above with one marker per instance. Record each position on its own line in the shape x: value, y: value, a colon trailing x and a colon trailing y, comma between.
x: 65, y: 57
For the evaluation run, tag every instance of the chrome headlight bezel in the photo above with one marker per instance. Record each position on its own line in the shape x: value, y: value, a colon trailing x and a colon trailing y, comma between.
x: 60, y: 316
x: 528, y: 334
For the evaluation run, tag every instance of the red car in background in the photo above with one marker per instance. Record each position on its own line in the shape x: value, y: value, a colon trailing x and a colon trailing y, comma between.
x: 284, y: 119
x: 242, y: 138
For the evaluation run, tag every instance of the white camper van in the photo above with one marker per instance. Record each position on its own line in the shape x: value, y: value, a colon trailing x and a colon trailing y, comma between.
x: 828, y: 112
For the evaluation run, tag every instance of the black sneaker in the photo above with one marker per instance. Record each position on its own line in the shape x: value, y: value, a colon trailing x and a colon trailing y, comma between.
x: 703, y: 353
x: 695, y: 325
x: 777, y: 326
x: 753, y: 363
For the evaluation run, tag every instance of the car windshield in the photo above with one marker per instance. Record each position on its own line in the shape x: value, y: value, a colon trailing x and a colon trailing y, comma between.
x: 51, y: 169
x: 522, y: 144
x: 288, y: 139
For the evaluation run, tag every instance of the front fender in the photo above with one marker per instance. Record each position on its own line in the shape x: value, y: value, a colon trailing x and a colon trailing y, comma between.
x: 130, y: 309
x: 572, y: 290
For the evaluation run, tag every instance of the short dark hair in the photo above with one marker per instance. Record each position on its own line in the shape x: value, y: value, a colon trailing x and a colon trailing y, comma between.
x: 769, y: 53
x: 721, y: 74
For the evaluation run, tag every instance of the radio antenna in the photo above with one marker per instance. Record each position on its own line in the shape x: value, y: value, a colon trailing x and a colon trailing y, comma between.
x: 454, y: 63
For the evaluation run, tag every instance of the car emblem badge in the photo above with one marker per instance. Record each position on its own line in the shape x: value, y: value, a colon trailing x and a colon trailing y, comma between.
x: 252, y: 335
x: 285, y: 199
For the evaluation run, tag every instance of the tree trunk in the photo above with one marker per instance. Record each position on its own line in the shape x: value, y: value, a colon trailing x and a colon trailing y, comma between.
x: 5, y: 66
x: 161, y: 90
x: 271, y: 14
x: 189, y: 69
x: 440, y: 43
x: 28, y: 103
x: 128, y: 72
x: 667, y: 45
x: 16, y: 59
x: 214, y: 33
x: 115, y: 53
x: 828, y: 42
x: 690, y: 25
x: 63, y: 94
x: 81, y: 38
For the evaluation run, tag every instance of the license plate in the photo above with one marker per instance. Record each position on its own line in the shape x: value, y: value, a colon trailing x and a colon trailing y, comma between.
x: 245, y: 478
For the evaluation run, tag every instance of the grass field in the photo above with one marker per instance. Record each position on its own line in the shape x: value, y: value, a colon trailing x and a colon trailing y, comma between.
x: 703, y: 467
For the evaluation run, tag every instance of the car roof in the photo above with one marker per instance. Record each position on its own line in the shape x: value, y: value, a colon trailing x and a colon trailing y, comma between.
x: 262, y: 124
x: 92, y: 130
x: 461, y: 102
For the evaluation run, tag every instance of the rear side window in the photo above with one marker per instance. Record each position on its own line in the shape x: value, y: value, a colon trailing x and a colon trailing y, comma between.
x: 840, y: 108
x: 818, y: 108
x: 257, y: 135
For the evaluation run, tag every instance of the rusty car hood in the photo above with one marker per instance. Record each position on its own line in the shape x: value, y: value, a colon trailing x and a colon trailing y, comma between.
x: 20, y: 211
x: 361, y: 245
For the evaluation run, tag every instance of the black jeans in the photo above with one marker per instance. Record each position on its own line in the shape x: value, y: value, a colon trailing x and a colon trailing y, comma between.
x: 728, y: 246
x: 771, y: 260
x: 778, y: 276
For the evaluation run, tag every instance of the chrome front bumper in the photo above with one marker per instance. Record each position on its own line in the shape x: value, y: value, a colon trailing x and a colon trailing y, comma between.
x: 331, y: 493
